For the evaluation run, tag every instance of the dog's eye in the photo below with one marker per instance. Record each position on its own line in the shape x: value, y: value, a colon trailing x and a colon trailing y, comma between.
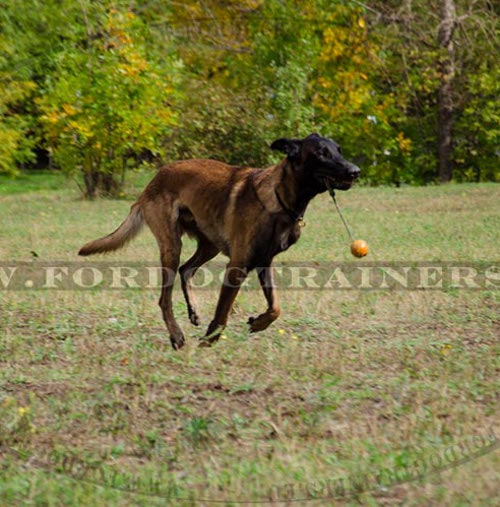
x: 340, y: 149
x: 325, y: 153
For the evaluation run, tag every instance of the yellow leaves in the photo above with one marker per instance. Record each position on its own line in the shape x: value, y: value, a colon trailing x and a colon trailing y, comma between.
x: 342, y: 93
x: 52, y: 117
x: 11, y: 93
x: 336, y: 44
x: 328, y: 36
x: 357, y: 97
x: 123, y: 37
x: 57, y: 116
x: 133, y: 63
x: 119, y: 27
x: 347, y: 37
x: 128, y: 70
x: 69, y: 109
x: 346, y: 59
x: 324, y: 83
x: 138, y: 61
x: 83, y: 131
x: 118, y: 21
x: 404, y: 143
x: 165, y: 115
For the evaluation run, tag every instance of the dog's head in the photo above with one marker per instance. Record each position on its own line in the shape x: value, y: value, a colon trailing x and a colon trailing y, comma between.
x: 320, y: 158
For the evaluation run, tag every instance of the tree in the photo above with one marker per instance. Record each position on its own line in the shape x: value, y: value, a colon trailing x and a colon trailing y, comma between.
x: 446, y: 31
x: 434, y: 75
x: 15, y: 144
x: 107, y: 105
x: 226, y: 103
x: 410, y: 91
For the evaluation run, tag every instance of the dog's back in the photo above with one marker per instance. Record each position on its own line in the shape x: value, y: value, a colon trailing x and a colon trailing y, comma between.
x: 201, y: 193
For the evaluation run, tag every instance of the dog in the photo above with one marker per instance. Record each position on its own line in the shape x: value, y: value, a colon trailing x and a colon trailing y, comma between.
x: 248, y: 214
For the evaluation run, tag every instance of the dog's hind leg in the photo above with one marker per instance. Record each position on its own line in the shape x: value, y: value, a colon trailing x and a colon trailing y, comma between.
x: 162, y: 220
x: 273, y: 311
x: 205, y: 251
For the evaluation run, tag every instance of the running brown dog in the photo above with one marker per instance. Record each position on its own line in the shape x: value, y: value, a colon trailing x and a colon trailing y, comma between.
x: 248, y: 214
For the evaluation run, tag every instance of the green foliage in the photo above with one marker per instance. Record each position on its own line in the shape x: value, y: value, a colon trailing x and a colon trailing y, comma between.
x: 477, y: 155
x: 283, y: 51
x: 223, y: 125
x: 96, y: 88
x: 15, y: 143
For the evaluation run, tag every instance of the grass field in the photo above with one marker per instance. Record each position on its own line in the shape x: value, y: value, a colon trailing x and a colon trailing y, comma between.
x: 345, y: 385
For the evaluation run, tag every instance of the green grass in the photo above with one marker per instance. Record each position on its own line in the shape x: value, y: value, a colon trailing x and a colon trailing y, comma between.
x: 32, y: 181
x: 344, y: 383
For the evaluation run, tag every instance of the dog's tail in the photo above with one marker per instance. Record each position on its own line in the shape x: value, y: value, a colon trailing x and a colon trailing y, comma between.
x: 126, y: 232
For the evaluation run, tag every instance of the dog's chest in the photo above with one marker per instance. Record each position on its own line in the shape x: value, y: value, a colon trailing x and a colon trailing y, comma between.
x: 287, y: 236
x: 277, y: 237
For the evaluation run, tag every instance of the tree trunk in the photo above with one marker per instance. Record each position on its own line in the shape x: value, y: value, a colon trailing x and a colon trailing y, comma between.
x: 109, y: 185
x: 445, y: 98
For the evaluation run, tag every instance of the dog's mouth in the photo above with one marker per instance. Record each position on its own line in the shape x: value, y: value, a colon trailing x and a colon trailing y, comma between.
x: 337, y: 184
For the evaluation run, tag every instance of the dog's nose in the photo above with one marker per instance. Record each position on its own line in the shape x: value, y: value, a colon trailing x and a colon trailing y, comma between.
x: 353, y: 171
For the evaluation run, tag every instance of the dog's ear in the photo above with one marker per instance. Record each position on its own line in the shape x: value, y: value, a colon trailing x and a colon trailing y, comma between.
x: 291, y: 147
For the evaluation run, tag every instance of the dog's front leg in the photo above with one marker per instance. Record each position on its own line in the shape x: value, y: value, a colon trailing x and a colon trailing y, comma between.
x: 235, y: 275
x: 266, y: 279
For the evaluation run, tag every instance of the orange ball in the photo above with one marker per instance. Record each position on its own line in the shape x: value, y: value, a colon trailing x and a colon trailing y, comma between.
x: 359, y: 248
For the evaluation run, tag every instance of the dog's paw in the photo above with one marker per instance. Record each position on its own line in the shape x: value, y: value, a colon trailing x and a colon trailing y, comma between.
x: 212, y: 335
x: 177, y: 341
x: 194, y: 319
x: 262, y: 321
x: 255, y: 324
x: 204, y: 343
